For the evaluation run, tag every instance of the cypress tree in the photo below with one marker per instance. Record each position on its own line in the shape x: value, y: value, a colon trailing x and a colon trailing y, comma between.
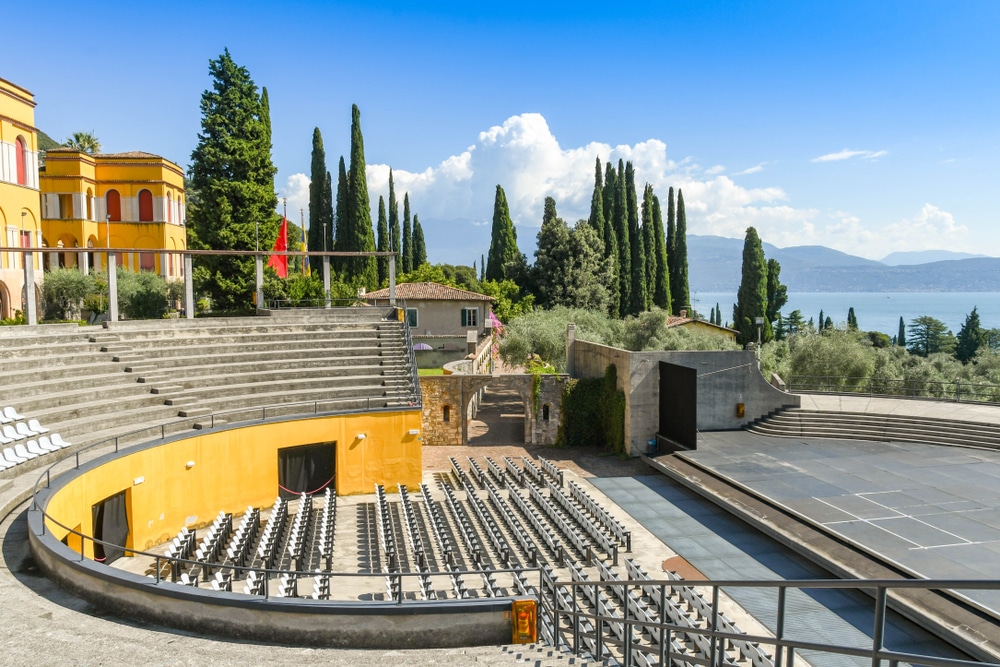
x: 672, y: 247
x: 320, y: 203
x: 901, y: 335
x: 363, y: 270
x: 624, y: 243
x: 596, y: 219
x: 419, y: 247
x: 407, y: 236
x: 265, y: 106
x: 331, y: 230
x: 637, y: 288
x: 394, y: 238
x: 679, y: 265
x: 382, y: 243
x: 829, y: 323
x: 970, y: 337
x: 777, y: 294
x: 342, y: 225
x: 661, y: 287
x: 852, y: 320
x: 821, y: 319
x: 649, y: 243
x: 482, y: 268
x: 609, y: 193
x: 752, y: 296
x: 232, y: 172
x: 503, y: 240
x: 711, y: 317
x: 718, y: 314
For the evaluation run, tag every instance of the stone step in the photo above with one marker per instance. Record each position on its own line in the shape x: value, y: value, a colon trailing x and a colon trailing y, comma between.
x: 140, y: 368
x: 127, y: 358
x: 104, y: 338
x: 179, y: 401
x: 151, y: 379
x: 166, y: 389
x: 210, y: 423
x: 119, y: 347
x: 195, y: 412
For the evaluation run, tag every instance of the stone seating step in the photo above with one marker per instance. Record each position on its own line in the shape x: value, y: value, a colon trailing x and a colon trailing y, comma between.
x: 166, y: 389
x: 254, y: 363
x: 125, y: 358
x: 37, y: 396
x: 56, y: 366
x: 180, y: 401
x: 355, y: 346
x: 194, y: 412
x: 116, y: 347
x: 54, y: 349
x: 152, y: 378
x: 245, y: 338
x: 104, y: 338
x: 99, y: 408
x: 140, y: 368
x: 18, y: 386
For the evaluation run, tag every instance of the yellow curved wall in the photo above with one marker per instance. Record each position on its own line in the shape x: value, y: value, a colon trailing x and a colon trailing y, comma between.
x: 234, y: 468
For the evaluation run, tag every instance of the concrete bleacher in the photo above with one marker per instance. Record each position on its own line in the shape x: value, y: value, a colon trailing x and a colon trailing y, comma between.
x: 94, y: 382
x: 803, y: 423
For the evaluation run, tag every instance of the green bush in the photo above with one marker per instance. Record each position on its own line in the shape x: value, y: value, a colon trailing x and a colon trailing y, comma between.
x: 593, y: 413
x: 63, y: 293
x: 141, y: 296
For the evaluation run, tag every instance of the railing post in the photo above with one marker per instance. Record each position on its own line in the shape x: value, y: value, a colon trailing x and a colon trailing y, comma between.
x: 779, y: 631
x: 713, y: 651
x: 878, y: 633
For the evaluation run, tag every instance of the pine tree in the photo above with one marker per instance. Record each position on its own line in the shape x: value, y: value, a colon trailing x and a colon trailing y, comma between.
x: 624, y: 243
x: 970, y: 338
x: 407, y: 235
x: 342, y: 225
x: 637, y: 287
x: 382, y: 243
x: 361, y: 270
x: 752, y: 296
x: 672, y: 248
x: 679, y: 263
x: 611, y: 252
x: 661, y: 286
x: 394, y: 231
x: 419, y: 247
x: 777, y: 294
x: 320, y: 203
x: 504, y: 253
x: 232, y: 172
x: 901, y: 335
x: 550, y: 274
x: 829, y: 323
x: 852, y: 320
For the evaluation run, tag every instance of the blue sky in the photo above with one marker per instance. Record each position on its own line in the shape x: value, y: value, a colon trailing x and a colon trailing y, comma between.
x: 868, y: 127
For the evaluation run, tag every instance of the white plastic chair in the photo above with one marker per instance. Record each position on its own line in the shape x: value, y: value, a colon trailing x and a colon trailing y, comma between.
x: 4, y: 440
x: 36, y: 427
x: 24, y: 453
x: 4, y: 419
x: 23, y: 429
x: 9, y: 454
x: 58, y: 440
x: 9, y: 431
x: 13, y: 414
x: 33, y: 447
x: 46, y: 445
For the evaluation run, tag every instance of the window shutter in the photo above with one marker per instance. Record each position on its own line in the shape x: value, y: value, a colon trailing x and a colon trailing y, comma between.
x: 464, y: 318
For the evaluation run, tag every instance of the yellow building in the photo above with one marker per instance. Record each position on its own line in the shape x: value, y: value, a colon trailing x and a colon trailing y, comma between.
x: 19, y: 204
x: 130, y: 200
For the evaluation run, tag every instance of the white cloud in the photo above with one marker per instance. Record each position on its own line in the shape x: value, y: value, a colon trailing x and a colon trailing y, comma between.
x: 847, y: 154
x: 751, y: 170
x: 296, y: 191
x: 455, y: 198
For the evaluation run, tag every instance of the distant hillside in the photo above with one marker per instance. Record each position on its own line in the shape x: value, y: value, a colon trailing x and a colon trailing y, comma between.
x: 715, y: 265
x: 45, y: 142
x: 924, y: 257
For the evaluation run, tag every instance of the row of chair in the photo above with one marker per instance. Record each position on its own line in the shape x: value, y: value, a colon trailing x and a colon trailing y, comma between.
x: 327, y: 525
x: 267, y: 548
x: 387, y: 544
x: 27, y: 437
x: 216, y: 535
x: 515, y: 527
x: 416, y: 543
x: 602, y: 515
x: 496, y: 472
x: 500, y: 546
x: 477, y: 553
x: 444, y: 543
x: 513, y: 472
x: 593, y: 529
x: 299, y: 531
x: 552, y: 514
x: 542, y: 529
x: 182, y: 546
x: 243, y: 538
x: 551, y: 470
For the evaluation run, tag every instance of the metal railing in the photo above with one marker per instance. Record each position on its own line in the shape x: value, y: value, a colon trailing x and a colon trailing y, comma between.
x: 570, y: 621
x: 959, y: 390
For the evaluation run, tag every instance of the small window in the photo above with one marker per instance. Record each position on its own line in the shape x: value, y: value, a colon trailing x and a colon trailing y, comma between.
x: 411, y: 317
x: 447, y: 413
x: 470, y: 317
x: 545, y: 412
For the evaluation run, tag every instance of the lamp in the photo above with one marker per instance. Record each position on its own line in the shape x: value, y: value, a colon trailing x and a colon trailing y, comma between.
x: 361, y: 436
x: 414, y: 431
x: 189, y: 465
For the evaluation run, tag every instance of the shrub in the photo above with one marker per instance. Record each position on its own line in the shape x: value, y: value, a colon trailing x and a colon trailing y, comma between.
x: 63, y: 292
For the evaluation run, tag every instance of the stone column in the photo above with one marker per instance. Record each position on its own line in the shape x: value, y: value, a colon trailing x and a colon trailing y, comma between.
x: 326, y: 280
x: 112, y: 287
x: 392, y: 280
x: 30, y: 305
x: 83, y: 261
x: 258, y: 261
x: 188, y: 288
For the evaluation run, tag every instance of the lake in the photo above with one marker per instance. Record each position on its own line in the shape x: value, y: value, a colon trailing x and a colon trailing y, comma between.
x: 876, y: 311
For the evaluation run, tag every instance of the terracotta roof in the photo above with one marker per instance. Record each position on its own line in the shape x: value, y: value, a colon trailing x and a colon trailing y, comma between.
x: 429, y: 292
x: 675, y: 321
x: 130, y: 154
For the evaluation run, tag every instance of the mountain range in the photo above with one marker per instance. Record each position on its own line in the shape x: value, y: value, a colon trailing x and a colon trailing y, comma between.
x: 715, y: 265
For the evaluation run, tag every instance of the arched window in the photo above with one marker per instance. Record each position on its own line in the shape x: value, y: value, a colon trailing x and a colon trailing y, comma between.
x: 447, y: 413
x: 145, y: 206
x: 170, y: 207
x: 21, y: 159
x: 114, y: 205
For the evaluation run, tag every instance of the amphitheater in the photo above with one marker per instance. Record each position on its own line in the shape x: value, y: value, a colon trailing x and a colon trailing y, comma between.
x: 258, y: 490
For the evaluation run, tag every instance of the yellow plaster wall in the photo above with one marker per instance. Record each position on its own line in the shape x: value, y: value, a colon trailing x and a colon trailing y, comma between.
x: 233, y: 469
x: 702, y: 327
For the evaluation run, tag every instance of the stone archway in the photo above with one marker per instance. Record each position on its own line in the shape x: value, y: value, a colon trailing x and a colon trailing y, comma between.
x: 6, y: 312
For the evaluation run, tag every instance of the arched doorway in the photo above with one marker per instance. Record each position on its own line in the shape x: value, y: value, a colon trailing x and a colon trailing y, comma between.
x: 5, y: 310
x: 502, y: 416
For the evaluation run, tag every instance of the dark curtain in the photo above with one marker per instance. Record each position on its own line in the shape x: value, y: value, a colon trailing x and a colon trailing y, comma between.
x: 304, y: 469
x: 110, y: 525
x: 679, y: 404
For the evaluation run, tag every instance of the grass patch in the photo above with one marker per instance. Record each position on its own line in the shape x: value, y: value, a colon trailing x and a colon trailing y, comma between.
x: 430, y: 371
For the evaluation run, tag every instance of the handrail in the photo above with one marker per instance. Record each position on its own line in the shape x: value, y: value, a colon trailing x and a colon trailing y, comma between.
x: 408, y: 338
x: 957, y: 391
x: 558, y: 600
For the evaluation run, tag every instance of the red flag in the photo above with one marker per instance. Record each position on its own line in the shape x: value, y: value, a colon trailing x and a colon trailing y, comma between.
x: 280, y: 262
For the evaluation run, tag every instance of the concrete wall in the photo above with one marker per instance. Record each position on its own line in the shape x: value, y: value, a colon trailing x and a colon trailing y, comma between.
x: 725, y: 378
x: 294, y: 621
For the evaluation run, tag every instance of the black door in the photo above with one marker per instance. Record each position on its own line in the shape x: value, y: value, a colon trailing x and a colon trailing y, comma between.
x: 305, y: 469
x: 110, y: 526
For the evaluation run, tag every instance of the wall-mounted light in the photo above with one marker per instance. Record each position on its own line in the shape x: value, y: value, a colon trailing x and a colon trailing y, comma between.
x: 361, y: 436
x: 414, y: 431
x: 189, y: 465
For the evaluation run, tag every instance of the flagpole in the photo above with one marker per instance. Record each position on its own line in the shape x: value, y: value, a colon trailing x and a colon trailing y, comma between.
x: 302, y: 226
